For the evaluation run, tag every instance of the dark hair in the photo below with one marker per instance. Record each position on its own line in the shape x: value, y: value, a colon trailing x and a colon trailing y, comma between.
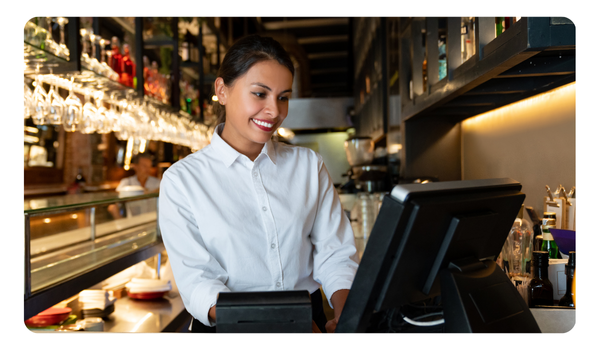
x: 245, y: 53
x: 137, y: 157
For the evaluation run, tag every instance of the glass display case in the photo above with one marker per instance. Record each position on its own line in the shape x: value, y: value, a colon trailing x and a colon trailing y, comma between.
x: 72, y: 242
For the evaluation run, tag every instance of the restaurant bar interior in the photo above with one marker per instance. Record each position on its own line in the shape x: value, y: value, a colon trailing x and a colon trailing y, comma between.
x: 428, y: 113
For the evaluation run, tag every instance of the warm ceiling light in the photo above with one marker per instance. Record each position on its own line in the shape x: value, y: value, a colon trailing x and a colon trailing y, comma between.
x: 286, y: 133
x: 74, y: 216
x: 493, y: 120
x: 142, y: 147
x: 394, y: 148
x: 47, y: 220
x: 215, y: 98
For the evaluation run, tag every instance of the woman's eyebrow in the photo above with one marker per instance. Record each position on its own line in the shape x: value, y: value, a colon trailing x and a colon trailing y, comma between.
x: 268, y: 88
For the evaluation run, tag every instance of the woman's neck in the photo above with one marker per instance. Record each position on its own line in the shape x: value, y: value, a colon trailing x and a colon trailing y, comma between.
x: 237, y: 142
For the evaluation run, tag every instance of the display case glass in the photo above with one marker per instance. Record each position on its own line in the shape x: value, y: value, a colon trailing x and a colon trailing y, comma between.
x: 74, y: 234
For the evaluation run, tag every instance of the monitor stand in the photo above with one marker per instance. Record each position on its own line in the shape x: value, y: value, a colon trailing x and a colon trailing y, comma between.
x: 478, y: 297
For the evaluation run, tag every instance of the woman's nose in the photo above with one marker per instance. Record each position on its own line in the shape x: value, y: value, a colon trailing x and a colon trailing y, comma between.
x: 272, y: 108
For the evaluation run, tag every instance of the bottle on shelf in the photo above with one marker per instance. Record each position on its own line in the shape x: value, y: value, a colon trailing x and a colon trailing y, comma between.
x: 115, y: 57
x: 146, y: 63
x: 540, y: 291
x: 499, y: 25
x: 467, y: 37
x: 127, y: 67
x: 548, y: 243
x: 568, y: 298
x: 442, y: 64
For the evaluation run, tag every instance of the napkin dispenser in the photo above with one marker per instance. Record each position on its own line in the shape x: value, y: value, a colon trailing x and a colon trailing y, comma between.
x: 264, y: 312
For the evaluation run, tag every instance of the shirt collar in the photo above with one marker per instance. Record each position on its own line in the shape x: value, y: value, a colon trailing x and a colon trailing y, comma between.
x: 229, y: 155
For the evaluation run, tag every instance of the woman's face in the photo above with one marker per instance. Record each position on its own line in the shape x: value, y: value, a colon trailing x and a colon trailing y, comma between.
x: 256, y: 104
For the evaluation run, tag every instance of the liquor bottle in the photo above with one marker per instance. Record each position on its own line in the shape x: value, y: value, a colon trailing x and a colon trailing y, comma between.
x: 540, y: 291
x: 126, y: 67
x: 146, y: 63
x: 548, y: 243
x: 499, y: 26
x: 567, y: 299
x: 115, y: 56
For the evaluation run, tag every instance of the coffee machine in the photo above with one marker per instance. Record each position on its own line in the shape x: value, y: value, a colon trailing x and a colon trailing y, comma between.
x: 366, y: 173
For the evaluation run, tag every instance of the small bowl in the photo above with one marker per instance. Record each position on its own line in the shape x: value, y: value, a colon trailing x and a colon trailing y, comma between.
x: 146, y: 295
x: 565, y: 239
x: 48, y: 317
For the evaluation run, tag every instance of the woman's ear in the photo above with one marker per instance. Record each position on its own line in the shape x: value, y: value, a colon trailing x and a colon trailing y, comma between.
x: 220, y: 90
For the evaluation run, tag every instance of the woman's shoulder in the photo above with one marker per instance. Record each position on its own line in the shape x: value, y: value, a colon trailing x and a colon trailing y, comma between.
x: 192, y: 163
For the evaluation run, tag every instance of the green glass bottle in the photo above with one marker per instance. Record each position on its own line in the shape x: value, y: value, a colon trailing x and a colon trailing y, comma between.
x: 548, y: 244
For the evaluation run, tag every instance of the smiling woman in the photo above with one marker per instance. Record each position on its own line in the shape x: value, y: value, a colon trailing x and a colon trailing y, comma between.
x: 256, y: 104
x: 247, y: 213
x: 253, y: 87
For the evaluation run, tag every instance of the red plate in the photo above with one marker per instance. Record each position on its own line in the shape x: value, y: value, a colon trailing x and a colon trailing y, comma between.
x: 146, y: 295
x: 51, y: 316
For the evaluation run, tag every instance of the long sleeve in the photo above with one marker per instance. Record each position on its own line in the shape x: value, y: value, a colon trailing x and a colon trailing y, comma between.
x: 335, y: 259
x: 199, y: 275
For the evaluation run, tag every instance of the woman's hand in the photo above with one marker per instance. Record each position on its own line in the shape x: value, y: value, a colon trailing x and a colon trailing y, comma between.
x: 315, y: 328
x: 338, y: 299
x: 331, y: 325
x: 212, y: 313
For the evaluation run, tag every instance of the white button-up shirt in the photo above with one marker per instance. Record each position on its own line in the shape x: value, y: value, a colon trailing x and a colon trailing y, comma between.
x: 231, y: 224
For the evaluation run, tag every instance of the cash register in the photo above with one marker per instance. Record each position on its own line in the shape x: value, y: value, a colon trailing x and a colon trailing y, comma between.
x: 429, y: 266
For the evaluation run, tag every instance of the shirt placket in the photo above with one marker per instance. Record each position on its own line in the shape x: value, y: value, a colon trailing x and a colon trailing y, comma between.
x: 271, y: 232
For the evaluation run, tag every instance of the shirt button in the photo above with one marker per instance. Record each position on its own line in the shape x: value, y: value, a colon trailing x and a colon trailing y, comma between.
x: 278, y: 284
x: 264, y: 208
x: 255, y: 174
x: 273, y: 245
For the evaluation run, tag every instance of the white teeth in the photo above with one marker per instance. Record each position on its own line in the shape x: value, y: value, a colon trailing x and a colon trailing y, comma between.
x: 267, y: 125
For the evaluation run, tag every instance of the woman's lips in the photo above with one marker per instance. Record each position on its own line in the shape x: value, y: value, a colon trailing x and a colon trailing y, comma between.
x: 263, y: 125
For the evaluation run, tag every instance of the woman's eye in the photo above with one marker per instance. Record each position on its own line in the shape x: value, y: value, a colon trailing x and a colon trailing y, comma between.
x: 283, y: 98
x: 259, y: 94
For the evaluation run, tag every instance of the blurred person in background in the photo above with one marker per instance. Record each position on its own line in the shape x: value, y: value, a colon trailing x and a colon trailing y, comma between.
x: 142, y: 165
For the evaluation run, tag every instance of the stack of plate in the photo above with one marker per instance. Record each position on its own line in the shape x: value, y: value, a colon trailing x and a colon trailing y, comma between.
x: 48, y: 317
x: 96, y: 303
x: 146, y: 288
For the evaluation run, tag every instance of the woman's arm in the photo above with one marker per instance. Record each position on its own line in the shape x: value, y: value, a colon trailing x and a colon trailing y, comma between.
x: 334, y: 255
x: 198, y: 275
x: 338, y: 299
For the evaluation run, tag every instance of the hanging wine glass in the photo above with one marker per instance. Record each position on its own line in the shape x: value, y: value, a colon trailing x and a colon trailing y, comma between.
x: 113, y: 113
x: 126, y: 120
x: 28, y: 107
x: 40, y: 103
x: 102, y: 119
x: 88, y: 118
x: 56, y: 106
x: 73, y: 114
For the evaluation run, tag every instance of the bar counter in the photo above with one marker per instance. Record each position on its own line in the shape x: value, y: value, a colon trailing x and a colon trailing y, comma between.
x: 166, y: 314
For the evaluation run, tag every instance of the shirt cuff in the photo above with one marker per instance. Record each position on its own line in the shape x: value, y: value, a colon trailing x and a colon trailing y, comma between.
x: 204, y: 297
x: 334, y: 286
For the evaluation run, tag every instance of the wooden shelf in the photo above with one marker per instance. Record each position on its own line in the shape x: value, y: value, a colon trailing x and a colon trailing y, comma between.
x: 532, y: 56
